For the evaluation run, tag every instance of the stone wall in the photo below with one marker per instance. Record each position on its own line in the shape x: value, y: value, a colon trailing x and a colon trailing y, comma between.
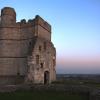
x: 43, y: 29
x: 10, y: 80
x: 8, y: 16
x: 45, y: 62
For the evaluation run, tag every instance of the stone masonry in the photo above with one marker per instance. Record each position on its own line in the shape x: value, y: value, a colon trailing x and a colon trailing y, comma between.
x: 27, y: 54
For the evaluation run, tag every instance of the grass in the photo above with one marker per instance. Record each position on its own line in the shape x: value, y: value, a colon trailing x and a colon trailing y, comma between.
x: 89, y: 83
x: 51, y: 95
x: 41, y: 95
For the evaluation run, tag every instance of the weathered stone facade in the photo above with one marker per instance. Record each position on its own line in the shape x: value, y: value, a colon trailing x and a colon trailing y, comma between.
x: 26, y: 51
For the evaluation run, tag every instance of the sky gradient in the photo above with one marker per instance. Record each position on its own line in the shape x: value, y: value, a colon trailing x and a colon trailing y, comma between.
x: 75, y: 30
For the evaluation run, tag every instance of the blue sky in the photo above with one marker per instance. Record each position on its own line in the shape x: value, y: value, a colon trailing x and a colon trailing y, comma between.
x: 75, y: 30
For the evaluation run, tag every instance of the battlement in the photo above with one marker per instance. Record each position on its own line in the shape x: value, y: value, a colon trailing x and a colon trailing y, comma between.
x: 29, y: 23
x: 36, y: 26
x: 8, y: 15
x: 36, y: 21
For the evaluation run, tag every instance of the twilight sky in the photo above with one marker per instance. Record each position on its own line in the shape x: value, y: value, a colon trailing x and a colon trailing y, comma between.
x: 75, y: 30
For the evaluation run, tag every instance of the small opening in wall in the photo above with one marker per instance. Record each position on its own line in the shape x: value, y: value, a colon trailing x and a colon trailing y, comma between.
x: 37, y: 68
x: 41, y: 65
x: 37, y: 59
x: 44, y: 45
x: 18, y: 73
x: 46, y: 77
x: 54, y: 62
x: 40, y: 48
x: 30, y: 43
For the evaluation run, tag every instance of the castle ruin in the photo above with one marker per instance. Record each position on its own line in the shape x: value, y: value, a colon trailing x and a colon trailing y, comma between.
x: 27, y: 54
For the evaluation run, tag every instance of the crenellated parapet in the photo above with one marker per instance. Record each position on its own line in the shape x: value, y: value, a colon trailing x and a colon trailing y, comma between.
x: 36, y: 26
x: 27, y: 24
x: 36, y: 21
x: 8, y: 16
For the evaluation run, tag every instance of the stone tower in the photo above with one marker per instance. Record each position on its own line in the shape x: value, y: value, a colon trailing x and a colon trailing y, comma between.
x: 8, y: 16
x: 26, y: 51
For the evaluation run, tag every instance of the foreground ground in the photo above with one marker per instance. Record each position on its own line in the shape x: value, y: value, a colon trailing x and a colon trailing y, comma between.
x: 41, y: 95
x: 62, y: 89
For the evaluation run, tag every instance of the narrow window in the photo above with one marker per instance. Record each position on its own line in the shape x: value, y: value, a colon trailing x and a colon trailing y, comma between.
x: 37, y: 59
x: 44, y: 45
x: 30, y: 43
x: 54, y: 62
x: 41, y: 65
x: 18, y: 73
x: 40, y: 48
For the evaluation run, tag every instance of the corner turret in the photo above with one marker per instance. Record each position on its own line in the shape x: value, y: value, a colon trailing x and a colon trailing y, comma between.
x: 8, y: 16
x: 42, y: 28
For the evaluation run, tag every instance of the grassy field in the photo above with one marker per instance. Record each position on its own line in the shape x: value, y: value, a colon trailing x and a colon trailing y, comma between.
x: 52, y: 95
x: 89, y: 83
x: 41, y: 95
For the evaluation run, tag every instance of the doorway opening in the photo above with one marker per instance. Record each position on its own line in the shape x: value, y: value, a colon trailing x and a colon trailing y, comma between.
x: 46, y: 77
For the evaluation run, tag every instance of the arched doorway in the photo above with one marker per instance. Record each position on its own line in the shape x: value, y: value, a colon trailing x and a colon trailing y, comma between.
x: 46, y: 77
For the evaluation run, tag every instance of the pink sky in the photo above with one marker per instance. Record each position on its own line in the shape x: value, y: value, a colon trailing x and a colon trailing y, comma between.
x: 79, y: 61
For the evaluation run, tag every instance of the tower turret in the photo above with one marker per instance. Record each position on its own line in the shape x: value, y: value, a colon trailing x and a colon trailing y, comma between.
x: 8, y: 16
x: 42, y: 28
